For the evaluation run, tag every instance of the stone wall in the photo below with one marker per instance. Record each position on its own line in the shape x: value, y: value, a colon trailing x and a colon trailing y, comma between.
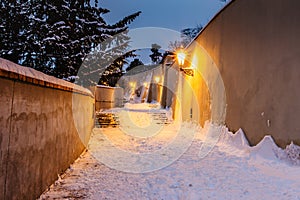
x: 45, y: 124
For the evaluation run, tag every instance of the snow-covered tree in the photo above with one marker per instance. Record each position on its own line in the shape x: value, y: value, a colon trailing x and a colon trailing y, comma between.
x: 114, y: 71
x: 55, y: 36
x: 13, y: 22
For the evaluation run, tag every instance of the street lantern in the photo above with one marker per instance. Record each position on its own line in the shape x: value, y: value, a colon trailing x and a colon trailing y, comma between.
x: 181, y: 57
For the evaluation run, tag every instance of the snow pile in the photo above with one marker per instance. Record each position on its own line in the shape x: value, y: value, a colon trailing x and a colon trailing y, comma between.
x: 238, y: 139
x: 266, y: 148
x: 291, y: 154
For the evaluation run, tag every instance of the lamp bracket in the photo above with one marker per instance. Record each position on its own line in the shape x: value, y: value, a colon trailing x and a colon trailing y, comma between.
x: 187, y: 71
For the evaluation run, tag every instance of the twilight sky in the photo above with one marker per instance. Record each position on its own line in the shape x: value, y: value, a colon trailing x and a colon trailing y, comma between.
x: 165, y: 17
x: 171, y: 14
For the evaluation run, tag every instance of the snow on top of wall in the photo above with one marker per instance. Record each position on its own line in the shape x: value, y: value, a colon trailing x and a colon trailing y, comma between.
x: 141, y: 69
x: 11, y: 70
x: 105, y: 86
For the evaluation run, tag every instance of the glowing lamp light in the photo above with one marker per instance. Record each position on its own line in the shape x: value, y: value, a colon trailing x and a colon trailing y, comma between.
x: 131, y: 84
x: 181, y: 57
x: 145, y: 84
x: 156, y: 79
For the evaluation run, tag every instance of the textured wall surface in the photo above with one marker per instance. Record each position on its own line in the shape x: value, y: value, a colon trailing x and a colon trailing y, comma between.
x: 41, y: 132
x: 108, y: 97
x: 255, y: 45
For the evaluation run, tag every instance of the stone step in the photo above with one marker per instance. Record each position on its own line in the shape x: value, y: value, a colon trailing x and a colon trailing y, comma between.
x: 110, y: 119
x: 104, y: 120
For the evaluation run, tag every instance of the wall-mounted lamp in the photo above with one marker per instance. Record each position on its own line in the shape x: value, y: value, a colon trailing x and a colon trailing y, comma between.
x: 187, y: 71
x: 181, y: 57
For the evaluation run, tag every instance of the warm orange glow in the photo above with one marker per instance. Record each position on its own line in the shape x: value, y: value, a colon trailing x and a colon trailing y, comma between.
x: 181, y: 57
x: 145, y: 84
x: 157, y: 79
x: 195, y: 61
x: 132, y: 84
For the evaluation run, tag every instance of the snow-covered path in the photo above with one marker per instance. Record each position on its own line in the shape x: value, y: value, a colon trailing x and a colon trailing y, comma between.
x: 229, y: 171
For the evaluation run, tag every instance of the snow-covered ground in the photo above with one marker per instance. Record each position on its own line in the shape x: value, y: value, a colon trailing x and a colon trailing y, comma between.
x: 172, y: 163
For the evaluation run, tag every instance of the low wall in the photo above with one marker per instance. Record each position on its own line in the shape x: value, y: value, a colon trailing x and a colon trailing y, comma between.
x: 41, y: 132
x: 108, y: 97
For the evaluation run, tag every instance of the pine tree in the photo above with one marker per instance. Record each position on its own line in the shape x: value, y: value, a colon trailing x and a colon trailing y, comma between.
x: 12, y: 23
x: 156, y: 55
x: 114, y: 71
x: 136, y: 62
x: 55, y: 36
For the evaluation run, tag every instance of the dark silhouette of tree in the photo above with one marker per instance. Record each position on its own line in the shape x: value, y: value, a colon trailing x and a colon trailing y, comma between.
x: 113, y: 73
x: 136, y: 62
x: 165, y: 54
x: 55, y: 36
x: 187, y: 35
x: 156, y: 55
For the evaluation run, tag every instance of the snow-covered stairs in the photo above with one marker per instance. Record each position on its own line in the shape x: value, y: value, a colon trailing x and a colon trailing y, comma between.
x: 111, y: 119
x: 106, y: 119
x: 160, y: 117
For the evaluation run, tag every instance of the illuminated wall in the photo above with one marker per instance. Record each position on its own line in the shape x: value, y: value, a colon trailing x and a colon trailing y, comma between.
x: 147, y: 80
x: 254, y: 45
x: 200, y: 97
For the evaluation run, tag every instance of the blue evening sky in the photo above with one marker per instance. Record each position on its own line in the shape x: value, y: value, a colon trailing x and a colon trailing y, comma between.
x: 171, y: 14
x: 165, y: 17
